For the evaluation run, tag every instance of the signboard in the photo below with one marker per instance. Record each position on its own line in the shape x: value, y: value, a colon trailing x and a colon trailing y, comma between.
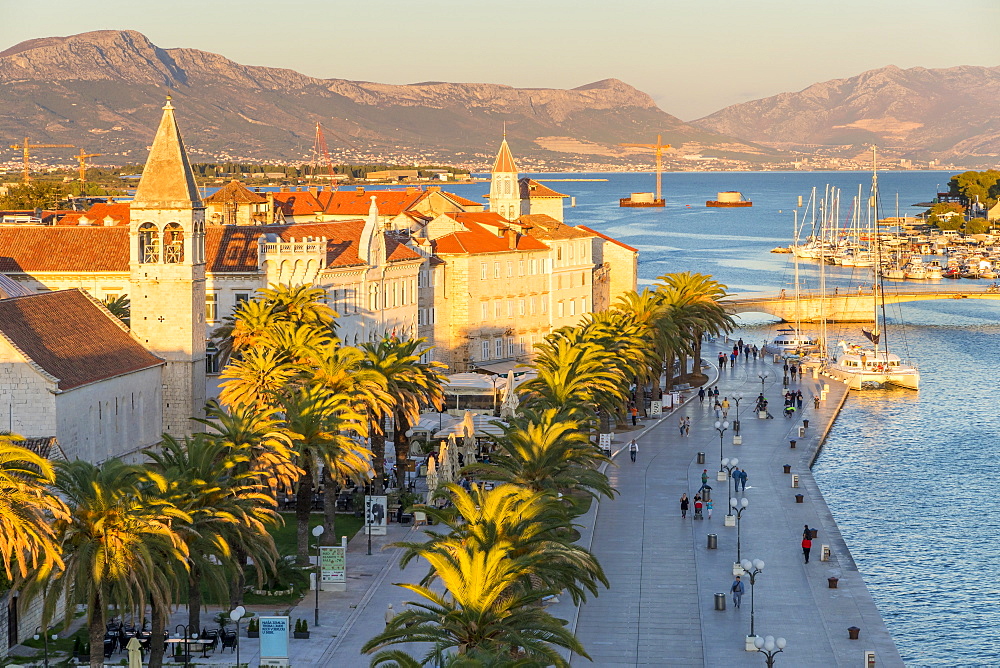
x: 656, y: 408
x: 376, y: 515
x: 604, y: 442
x: 333, y: 564
x: 274, y: 638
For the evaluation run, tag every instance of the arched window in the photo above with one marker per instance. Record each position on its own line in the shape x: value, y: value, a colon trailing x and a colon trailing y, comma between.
x: 149, y: 243
x: 173, y: 243
x: 506, y: 185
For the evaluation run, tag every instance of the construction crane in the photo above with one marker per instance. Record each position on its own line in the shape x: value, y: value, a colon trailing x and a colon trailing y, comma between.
x: 82, y: 159
x: 658, y: 147
x: 321, y: 154
x: 27, y: 146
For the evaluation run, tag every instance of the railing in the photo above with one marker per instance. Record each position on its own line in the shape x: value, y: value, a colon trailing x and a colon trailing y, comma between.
x: 294, y: 247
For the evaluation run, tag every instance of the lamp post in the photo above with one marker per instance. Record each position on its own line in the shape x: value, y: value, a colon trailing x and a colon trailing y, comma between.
x: 736, y: 424
x: 237, y: 616
x: 730, y: 465
x: 317, y: 531
x: 44, y: 635
x: 763, y: 376
x: 739, y: 505
x: 188, y: 634
x: 770, y: 648
x: 753, y: 569
x: 721, y: 427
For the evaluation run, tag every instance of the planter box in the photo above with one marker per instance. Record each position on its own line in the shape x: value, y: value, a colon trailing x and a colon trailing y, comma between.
x: 300, y: 635
x: 253, y: 634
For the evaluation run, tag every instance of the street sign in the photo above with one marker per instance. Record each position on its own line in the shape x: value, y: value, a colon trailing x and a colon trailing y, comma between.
x: 333, y: 564
x: 656, y: 409
x: 274, y: 638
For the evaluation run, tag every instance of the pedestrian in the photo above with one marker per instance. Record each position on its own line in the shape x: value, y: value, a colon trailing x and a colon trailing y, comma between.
x: 755, y: 351
x: 785, y: 367
x: 701, y: 394
x: 635, y: 415
x: 737, y: 590
x: 633, y: 449
x: 680, y: 424
x: 704, y: 478
x: 746, y: 353
x: 389, y: 615
x: 708, y: 508
x: 798, y: 399
x: 739, y: 344
x: 725, y: 407
x: 732, y: 359
x: 743, y: 479
x: 718, y: 409
x: 816, y: 401
x: 687, y: 426
x: 794, y: 370
x: 684, y: 505
x: 722, y: 360
x: 697, y: 508
x: 807, y: 544
x: 716, y: 390
x: 807, y: 532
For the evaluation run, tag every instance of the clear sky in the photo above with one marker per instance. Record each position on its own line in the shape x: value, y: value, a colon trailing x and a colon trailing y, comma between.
x: 693, y: 56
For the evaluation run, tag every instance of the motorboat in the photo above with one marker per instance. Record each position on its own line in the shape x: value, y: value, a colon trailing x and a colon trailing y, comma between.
x: 934, y: 270
x: 866, y: 367
x: 789, y: 342
x: 915, y: 269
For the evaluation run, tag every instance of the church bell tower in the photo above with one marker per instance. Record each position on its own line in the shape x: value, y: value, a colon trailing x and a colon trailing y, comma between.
x: 167, y: 265
x: 505, y: 191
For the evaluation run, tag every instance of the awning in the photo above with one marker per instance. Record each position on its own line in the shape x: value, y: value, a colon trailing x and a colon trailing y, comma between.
x: 502, y: 368
x: 482, y: 423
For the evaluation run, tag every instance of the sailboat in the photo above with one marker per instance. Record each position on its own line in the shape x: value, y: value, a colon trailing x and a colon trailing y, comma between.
x: 790, y: 341
x: 867, y: 367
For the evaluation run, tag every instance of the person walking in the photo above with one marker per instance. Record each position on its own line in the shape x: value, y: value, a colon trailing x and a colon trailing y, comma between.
x: 718, y: 409
x: 716, y: 391
x: 697, y: 508
x: 633, y: 449
x: 807, y: 532
x: 798, y: 399
x: 756, y: 350
x: 807, y: 544
x: 687, y: 426
x: 684, y: 505
x: 708, y: 508
x: 816, y: 401
x: 737, y: 590
x: 722, y: 360
x: 635, y: 414
x: 680, y: 424
x: 743, y: 479
x: 704, y: 478
x: 746, y: 353
x: 389, y: 615
x: 725, y: 407
x: 732, y: 359
x: 701, y: 394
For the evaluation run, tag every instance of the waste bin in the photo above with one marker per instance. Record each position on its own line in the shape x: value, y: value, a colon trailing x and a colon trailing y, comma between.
x: 853, y: 632
x: 720, y: 601
x: 791, y: 443
x: 831, y: 583
x: 788, y: 468
x: 701, y: 457
x: 799, y: 498
x: 713, y: 541
x: 815, y: 533
x: 805, y: 424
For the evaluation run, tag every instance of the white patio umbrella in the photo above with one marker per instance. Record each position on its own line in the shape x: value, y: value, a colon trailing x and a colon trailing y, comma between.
x: 510, y: 402
x: 134, y: 648
x: 432, y: 480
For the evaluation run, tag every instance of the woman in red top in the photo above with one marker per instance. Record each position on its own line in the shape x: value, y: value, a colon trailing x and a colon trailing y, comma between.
x: 806, y: 546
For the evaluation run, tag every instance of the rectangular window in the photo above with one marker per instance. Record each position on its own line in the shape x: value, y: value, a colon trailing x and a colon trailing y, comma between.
x: 395, y: 294
x: 520, y: 345
x: 572, y: 307
x: 510, y: 347
x: 559, y: 282
x: 583, y: 304
x: 486, y: 350
x: 531, y: 306
x: 559, y: 309
x: 499, y: 347
x: 520, y: 268
x: 571, y: 251
x: 510, y: 269
x: 211, y: 307
x: 545, y: 304
x: 482, y: 271
x: 242, y: 297
x: 533, y: 267
x: 496, y: 270
x: 510, y: 308
x: 421, y: 317
x: 433, y: 316
x: 497, y: 308
x: 520, y: 307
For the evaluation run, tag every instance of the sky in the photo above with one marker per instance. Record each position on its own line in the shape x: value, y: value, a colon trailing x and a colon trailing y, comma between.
x: 692, y: 56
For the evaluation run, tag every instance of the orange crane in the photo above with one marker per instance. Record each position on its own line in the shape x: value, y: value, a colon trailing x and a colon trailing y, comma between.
x: 658, y: 147
x: 321, y: 154
x: 82, y: 159
x: 27, y: 146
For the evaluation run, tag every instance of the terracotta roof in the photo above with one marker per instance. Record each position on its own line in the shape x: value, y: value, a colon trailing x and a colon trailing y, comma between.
x: 357, y: 202
x: 58, y: 248
x: 44, y: 446
x: 298, y: 203
x: 544, y: 226
x: 234, y: 191
x: 106, y: 214
x: 478, y: 239
x: 71, y: 337
x: 490, y: 218
x: 167, y: 180
x: 505, y: 161
x: 607, y: 238
x: 233, y: 248
x: 461, y: 201
x: 532, y: 188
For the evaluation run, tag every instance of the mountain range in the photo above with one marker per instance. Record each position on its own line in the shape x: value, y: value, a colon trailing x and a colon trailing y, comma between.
x: 103, y: 91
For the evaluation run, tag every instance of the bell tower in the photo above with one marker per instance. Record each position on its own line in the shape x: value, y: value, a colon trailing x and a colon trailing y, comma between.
x: 167, y: 265
x: 505, y: 191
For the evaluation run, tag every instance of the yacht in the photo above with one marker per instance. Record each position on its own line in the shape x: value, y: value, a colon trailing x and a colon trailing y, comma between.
x: 866, y: 367
x: 790, y: 341
x: 915, y: 269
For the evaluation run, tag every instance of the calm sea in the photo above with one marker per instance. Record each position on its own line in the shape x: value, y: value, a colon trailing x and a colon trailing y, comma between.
x: 910, y: 477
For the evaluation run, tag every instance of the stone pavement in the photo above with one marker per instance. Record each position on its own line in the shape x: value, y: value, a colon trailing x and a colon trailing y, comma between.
x: 660, y: 608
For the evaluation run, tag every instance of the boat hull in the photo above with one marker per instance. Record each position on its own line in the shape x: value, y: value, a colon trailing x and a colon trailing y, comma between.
x: 872, y: 380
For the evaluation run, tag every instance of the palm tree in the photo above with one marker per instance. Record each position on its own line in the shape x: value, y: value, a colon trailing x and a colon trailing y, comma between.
x: 574, y: 376
x: 411, y: 384
x: 318, y: 424
x: 27, y: 509
x: 229, y: 506
x: 704, y: 293
x: 120, y: 307
x: 118, y: 545
x: 257, y: 379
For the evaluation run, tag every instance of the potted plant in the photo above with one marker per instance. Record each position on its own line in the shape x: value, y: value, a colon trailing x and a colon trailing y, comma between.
x: 253, y: 628
x: 83, y: 653
x: 301, y: 630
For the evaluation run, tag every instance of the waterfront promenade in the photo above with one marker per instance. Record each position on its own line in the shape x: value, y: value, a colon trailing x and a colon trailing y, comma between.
x: 659, y: 610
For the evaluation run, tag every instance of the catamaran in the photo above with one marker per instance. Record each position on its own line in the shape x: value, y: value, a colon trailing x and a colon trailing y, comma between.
x: 864, y: 367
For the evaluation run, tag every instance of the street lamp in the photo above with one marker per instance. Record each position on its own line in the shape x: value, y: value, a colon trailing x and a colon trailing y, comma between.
x: 736, y: 424
x: 44, y: 635
x: 770, y: 648
x: 730, y: 465
x: 237, y: 615
x: 721, y: 427
x: 739, y: 505
x: 763, y: 376
x: 185, y: 630
x: 753, y: 569
x: 317, y: 531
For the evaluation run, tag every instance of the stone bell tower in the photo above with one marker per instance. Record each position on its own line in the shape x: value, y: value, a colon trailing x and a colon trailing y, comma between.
x: 167, y: 264
x: 505, y: 191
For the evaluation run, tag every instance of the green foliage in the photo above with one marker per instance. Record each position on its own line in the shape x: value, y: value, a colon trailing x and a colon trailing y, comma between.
x: 120, y: 307
x: 984, y: 186
x: 34, y: 195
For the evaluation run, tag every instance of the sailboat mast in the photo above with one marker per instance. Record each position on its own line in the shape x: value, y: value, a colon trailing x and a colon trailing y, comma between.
x: 877, y: 290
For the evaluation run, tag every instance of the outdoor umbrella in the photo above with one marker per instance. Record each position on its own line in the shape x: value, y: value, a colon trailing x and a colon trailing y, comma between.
x: 134, y: 653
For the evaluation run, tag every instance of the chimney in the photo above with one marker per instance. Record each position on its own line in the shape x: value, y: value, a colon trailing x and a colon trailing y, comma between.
x: 360, y: 189
x: 313, y: 190
x: 511, y: 238
x: 270, y: 208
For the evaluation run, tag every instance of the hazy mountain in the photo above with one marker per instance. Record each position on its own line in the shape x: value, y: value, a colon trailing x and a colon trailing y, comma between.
x: 921, y: 113
x: 103, y: 91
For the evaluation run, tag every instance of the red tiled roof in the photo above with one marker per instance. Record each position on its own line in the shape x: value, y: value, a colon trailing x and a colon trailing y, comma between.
x: 71, y: 337
x: 606, y: 237
x: 96, y: 214
x: 357, y: 202
x: 297, y: 203
x: 72, y: 248
x: 491, y: 218
x: 532, y: 188
x: 544, y: 226
x: 477, y: 239
x: 234, y: 191
x: 505, y: 161
x: 461, y: 201
x: 233, y: 248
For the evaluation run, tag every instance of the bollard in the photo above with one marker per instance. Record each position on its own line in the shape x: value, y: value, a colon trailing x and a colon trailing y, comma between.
x: 720, y: 601
x: 799, y: 498
x: 701, y: 457
x: 795, y: 480
x: 805, y: 424
x: 853, y: 632
x: 791, y: 444
x: 713, y: 541
x: 815, y: 533
x: 788, y: 468
x: 831, y: 583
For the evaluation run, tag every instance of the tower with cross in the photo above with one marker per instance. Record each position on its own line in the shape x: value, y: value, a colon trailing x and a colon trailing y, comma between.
x: 167, y: 274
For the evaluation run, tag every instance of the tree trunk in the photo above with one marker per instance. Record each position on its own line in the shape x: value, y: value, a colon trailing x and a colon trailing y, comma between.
x: 378, y: 456
x: 303, y: 506
x: 95, y: 629
x: 698, y: 334
x: 683, y: 359
x: 330, y: 491
x: 668, y: 381
x: 640, y: 396
x: 238, y: 584
x: 157, y: 647
x: 194, y: 599
x: 402, y: 446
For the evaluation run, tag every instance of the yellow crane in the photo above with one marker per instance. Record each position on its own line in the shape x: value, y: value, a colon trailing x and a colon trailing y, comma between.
x: 82, y: 159
x: 658, y: 147
x: 27, y: 146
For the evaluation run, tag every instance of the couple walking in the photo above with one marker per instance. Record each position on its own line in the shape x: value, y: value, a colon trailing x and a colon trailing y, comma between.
x: 684, y: 425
